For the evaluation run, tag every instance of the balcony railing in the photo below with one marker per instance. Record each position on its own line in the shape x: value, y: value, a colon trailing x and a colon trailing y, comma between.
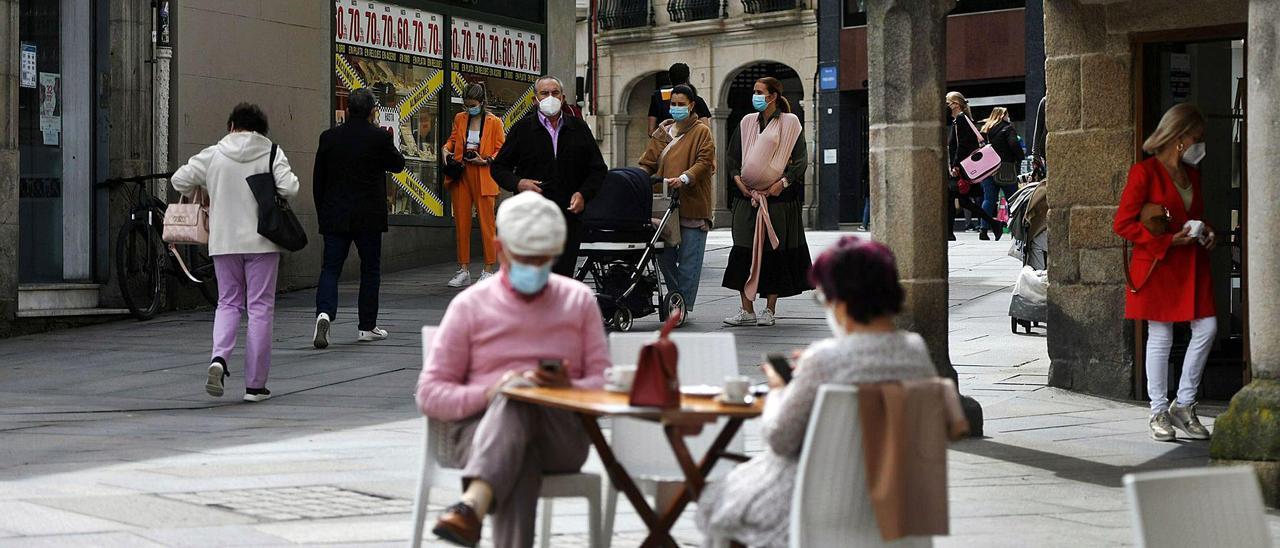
x: 625, y: 14
x: 769, y: 6
x: 683, y: 11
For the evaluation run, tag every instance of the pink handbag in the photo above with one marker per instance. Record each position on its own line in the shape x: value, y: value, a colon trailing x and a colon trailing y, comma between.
x: 982, y: 162
x: 187, y: 222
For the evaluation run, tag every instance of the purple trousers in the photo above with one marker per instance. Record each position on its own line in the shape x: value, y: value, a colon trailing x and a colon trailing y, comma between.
x: 246, y: 281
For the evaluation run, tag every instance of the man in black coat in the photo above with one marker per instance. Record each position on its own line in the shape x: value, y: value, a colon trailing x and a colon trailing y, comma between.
x: 556, y: 156
x: 351, y: 203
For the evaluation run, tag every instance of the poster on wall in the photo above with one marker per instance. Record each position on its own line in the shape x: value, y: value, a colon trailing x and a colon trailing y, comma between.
x: 27, y: 66
x: 396, y: 52
x: 507, y: 61
x: 50, y: 109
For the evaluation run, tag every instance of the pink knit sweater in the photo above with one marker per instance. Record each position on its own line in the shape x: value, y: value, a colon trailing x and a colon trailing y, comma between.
x: 490, y: 329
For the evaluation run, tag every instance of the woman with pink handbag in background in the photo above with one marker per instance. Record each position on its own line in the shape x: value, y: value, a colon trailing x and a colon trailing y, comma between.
x: 962, y: 141
x: 245, y: 262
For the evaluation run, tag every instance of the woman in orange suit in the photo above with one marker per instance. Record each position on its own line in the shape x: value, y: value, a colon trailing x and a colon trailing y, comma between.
x: 1169, y: 278
x: 476, y: 137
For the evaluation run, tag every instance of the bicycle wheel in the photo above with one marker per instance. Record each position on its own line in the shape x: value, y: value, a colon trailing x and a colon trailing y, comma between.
x: 140, y: 257
x: 201, y: 266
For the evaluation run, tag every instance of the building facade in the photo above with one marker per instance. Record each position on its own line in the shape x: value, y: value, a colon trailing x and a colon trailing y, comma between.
x: 84, y: 100
x: 727, y: 45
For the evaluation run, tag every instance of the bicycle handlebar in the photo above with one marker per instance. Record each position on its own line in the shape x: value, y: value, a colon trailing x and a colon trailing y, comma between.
x: 139, y: 179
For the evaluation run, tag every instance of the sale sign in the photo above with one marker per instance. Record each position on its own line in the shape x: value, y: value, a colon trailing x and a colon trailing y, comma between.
x: 496, y: 46
x: 388, y: 27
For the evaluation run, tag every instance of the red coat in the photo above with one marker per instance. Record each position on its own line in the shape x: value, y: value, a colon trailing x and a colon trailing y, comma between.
x: 1179, y: 288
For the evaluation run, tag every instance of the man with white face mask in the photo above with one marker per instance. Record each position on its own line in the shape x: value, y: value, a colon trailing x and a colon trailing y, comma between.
x: 499, y: 331
x: 556, y: 156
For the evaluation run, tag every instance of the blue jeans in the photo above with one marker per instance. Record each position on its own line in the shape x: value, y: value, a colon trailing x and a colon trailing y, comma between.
x: 991, y: 197
x: 336, y: 247
x: 866, y: 212
x: 682, y: 266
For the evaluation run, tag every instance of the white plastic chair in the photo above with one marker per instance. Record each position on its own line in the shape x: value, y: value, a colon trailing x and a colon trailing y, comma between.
x: 830, y: 505
x: 641, y: 446
x: 580, y: 484
x: 1216, y: 506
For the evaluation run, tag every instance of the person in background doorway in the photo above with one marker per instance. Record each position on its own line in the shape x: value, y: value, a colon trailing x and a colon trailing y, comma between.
x: 660, y: 103
x: 766, y: 162
x: 866, y: 196
x: 1038, y: 140
x: 962, y: 140
x: 1169, y: 277
x: 1004, y: 138
x: 556, y: 156
x: 245, y: 263
x: 476, y: 137
x: 683, y: 152
x: 350, y: 191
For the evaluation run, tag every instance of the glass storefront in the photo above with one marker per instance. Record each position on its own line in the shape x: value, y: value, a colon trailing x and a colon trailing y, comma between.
x: 40, y: 142
x: 411, y: 59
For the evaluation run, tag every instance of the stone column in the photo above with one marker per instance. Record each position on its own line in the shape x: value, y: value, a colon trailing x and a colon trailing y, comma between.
x: 9, y: 59
x: 906, y: 54
x: 621, y: 123
x: 720, y: 128
x: 1248, y: 432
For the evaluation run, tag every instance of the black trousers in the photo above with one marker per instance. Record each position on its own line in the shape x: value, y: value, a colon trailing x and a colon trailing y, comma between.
x: 966, y: 202
x: 572, y: 243
x: 336, y: 248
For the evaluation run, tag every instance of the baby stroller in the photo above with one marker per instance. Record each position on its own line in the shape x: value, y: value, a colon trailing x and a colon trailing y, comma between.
x: 1028, y: 307
x: 621, y: 245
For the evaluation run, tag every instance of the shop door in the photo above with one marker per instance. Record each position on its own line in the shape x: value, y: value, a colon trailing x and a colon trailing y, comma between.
x: 54, y: 141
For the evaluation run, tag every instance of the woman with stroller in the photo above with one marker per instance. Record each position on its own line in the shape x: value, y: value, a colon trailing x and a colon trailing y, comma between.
x: 475, y: 139
x: 1004, y: 138
x: 245, y: 263
x: 766, y: 162
x: 682, y: 152
x: 1161, y: 212
x: 962, y: 140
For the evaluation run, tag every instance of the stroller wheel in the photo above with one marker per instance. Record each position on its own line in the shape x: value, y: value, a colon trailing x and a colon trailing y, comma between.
x: 622, y: 319
x: 1013, y: 325
x: 674, y: 302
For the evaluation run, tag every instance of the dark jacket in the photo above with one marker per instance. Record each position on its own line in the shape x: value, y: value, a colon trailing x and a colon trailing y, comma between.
x: 527, y: 154
x: 1004, y: 138
x: 350, y: 185
x: 961, y: 140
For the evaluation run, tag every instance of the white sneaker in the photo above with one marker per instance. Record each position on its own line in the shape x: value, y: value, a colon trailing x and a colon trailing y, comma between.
x: 766, y: 318
x: 320, y: 338
x: 743, y: 318
x: 484, y: 276
x: 461, y: 278
x: 375, y: 334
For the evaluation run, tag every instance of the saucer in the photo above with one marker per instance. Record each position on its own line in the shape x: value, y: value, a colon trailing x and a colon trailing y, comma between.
x: 700, y: 390
x: 610, y: 387
x: 744, y: 403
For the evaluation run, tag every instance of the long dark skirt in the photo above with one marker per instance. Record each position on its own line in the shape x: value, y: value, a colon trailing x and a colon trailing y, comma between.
x: 783, y: 271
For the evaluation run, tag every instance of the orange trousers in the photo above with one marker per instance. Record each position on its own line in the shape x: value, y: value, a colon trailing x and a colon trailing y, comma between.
x: 466, y: 194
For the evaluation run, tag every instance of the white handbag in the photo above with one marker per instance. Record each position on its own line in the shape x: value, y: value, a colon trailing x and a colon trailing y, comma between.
x: 187, y: 222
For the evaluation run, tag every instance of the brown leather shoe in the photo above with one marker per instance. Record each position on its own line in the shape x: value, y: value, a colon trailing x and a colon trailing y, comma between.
x: 459, y: 525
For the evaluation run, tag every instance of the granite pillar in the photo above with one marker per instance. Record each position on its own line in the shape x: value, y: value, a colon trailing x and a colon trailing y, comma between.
x: 9, y: 60
x: 1249, y: 432
x: 720, y: 215
x: 906, y: 43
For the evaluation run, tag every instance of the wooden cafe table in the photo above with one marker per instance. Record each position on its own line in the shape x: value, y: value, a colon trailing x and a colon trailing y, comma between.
x: 694, y: 412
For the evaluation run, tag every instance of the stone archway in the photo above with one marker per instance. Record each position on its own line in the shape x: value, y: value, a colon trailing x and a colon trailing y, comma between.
x: 631, y: 118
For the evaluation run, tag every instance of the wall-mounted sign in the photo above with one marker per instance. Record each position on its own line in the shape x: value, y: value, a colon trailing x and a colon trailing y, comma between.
x: 27, y: 66
x: 827, y: 78
x: 50, y: 108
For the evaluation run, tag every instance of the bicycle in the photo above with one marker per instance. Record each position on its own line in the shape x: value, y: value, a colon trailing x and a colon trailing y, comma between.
x: 143, y: 260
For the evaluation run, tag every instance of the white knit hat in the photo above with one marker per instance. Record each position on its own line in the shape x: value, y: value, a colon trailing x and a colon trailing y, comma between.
x: 531, y: 225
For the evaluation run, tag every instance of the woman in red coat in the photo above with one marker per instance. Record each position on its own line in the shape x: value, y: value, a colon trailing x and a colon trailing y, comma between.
x: 1169, y: 272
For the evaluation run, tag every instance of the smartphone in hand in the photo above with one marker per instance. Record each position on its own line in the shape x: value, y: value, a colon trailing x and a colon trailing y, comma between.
x: 781, y: 365
x: 550, y: 367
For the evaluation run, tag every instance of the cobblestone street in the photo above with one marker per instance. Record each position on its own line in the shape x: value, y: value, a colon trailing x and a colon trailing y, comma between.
x: 109, y: 440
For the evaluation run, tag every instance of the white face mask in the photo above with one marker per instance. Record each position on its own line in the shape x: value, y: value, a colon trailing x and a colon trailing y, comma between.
x: 837, y: 328
x: 1194, y: 154
x: 549, y: 106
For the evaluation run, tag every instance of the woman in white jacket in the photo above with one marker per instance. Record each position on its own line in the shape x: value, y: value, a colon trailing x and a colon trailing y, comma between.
x: 245, y: 263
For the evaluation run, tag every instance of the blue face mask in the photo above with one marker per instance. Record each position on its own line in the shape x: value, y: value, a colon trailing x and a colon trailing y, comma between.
x: 759, y: 102
x: 679, y: 113
x: 475, y: 111
x: 528, y: 279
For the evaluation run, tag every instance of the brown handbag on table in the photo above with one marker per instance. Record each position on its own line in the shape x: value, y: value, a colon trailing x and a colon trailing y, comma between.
x: 657, y: 383
x: 1156, y: 219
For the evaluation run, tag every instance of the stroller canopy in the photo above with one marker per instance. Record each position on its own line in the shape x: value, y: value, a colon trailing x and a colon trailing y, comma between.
x: 625, y: 201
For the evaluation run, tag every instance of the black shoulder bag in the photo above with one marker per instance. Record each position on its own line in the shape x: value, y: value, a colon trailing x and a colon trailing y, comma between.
x: 276, y: 221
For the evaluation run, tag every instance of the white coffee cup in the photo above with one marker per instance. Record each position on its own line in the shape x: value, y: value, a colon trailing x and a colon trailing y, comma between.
x: 735, y: 388
x: 1196, y: 228
x: 621, y: 376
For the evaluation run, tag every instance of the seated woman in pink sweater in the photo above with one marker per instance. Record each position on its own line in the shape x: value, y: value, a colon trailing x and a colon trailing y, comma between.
x: 496, y: 333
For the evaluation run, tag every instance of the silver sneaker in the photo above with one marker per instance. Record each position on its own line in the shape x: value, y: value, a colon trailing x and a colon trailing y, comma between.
x: 743, y: 318
x: 766, y: 319
x: 1161, y: 428
x: 461, y: 278
x: 1185, y: 419
x: 485, y: 275
x: 375, y: 334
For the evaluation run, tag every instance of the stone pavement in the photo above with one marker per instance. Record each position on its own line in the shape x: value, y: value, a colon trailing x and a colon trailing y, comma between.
x: 107, y: 437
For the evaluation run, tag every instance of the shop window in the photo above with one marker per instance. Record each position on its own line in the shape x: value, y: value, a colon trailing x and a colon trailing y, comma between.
x: 855, y: 13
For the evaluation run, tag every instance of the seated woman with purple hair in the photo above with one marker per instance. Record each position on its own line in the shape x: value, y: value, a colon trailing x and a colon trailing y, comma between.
x: 857, y: 283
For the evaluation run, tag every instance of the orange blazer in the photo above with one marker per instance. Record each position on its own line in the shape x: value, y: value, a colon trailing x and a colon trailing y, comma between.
x: 491, y: 139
